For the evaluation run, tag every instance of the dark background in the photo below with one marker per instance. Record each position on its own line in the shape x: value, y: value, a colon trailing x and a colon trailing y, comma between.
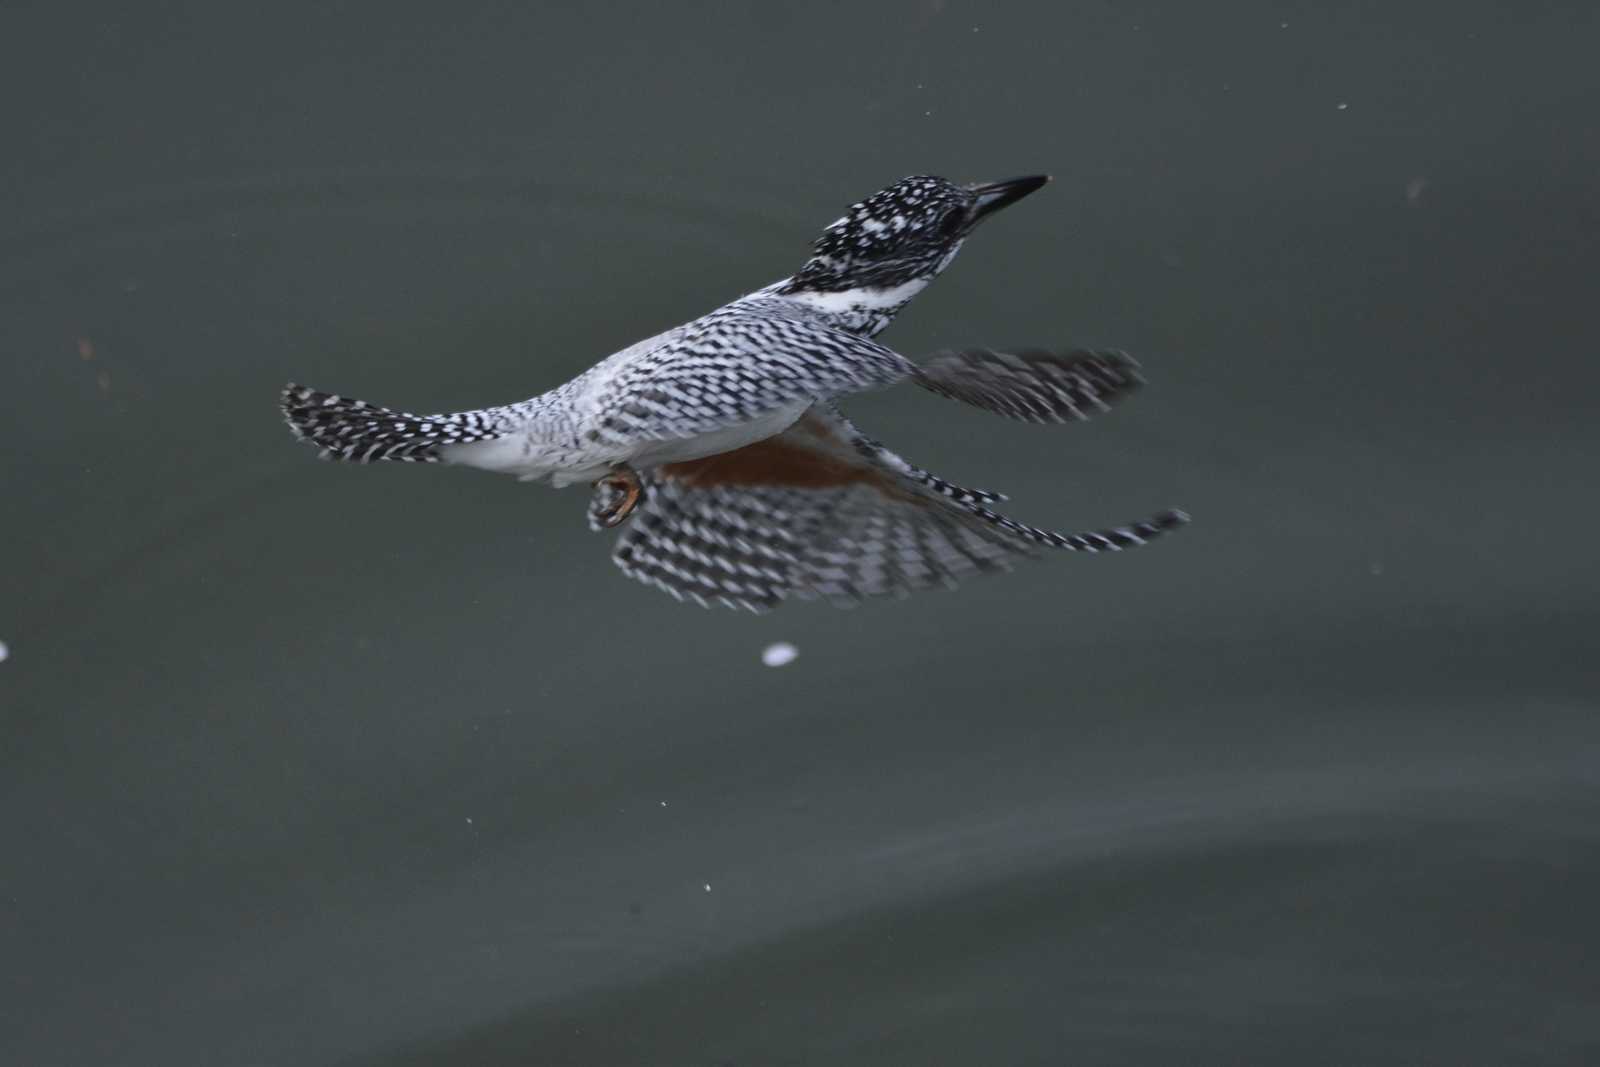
x: 313, y: 764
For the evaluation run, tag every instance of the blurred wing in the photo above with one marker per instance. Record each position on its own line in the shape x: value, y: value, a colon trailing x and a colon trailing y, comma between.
x: 820, y: 511
x: 1034, y: 385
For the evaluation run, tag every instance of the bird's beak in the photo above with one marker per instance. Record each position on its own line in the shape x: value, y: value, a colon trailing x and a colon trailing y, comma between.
x: 993, y: 196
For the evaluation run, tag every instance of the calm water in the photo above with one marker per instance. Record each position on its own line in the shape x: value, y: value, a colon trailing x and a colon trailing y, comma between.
x: 307, y: 764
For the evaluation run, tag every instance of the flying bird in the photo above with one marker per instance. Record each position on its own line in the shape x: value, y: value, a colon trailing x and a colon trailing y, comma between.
x: 718, y: 447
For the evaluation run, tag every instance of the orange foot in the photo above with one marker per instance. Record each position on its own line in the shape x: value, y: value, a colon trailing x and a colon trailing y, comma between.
x: 624, y: 489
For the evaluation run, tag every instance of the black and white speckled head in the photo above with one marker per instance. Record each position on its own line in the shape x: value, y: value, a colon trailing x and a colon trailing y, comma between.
x: 885, y: 249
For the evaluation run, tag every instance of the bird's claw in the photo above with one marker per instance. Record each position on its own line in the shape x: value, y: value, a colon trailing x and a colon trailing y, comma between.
x: 615, y: 497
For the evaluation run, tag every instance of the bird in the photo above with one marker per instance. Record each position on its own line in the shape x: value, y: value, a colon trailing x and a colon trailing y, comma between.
x: 720, y: 447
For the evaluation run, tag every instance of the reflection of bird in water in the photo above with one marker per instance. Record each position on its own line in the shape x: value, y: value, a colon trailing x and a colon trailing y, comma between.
x: 719, y: 438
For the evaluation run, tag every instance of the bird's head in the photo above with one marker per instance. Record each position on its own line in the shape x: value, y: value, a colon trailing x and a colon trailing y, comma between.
x: 897, y: 240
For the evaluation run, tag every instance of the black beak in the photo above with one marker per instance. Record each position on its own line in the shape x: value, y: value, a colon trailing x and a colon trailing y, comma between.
x: 995, y: 195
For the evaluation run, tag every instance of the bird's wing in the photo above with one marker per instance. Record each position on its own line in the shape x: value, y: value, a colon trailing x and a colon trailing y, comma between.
x: 734, y: 366
x: 1033, y: 385
x: 821, y: 511
x: 744, y: 362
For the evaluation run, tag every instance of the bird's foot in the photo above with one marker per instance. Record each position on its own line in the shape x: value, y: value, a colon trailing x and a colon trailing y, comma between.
x: 615, y: 497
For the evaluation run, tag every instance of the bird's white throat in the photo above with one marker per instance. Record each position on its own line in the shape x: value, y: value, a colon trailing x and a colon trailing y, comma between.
x: 860, y: 299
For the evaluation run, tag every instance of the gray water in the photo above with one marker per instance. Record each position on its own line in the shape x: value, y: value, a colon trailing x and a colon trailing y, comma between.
x: 314, y: 764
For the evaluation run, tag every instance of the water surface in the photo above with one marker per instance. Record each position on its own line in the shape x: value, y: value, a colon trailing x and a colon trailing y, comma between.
x: 310, y: 764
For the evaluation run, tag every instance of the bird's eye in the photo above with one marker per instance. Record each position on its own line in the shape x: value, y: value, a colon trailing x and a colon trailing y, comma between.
x: 951, y: 224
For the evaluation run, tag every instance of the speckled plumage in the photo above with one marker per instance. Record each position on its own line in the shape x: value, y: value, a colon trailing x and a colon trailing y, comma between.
x: 863, y: 523
x: 754, y: 487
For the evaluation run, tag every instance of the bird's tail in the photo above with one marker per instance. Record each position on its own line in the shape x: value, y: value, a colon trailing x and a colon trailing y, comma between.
x: 359, y: 432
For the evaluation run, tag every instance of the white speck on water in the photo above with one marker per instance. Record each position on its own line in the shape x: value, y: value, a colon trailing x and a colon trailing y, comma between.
x: 708, y: 887
x: 779, y: 654
x: 663, y: 803
x: 1343, y: 106
x: 469, y: 822
x: 4, y: 652
x: 1375, y: 568
x: 1414, y: 189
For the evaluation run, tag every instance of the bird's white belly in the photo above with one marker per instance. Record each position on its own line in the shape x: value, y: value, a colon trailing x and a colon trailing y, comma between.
x: 518, y: 455
x: 656, y: 453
